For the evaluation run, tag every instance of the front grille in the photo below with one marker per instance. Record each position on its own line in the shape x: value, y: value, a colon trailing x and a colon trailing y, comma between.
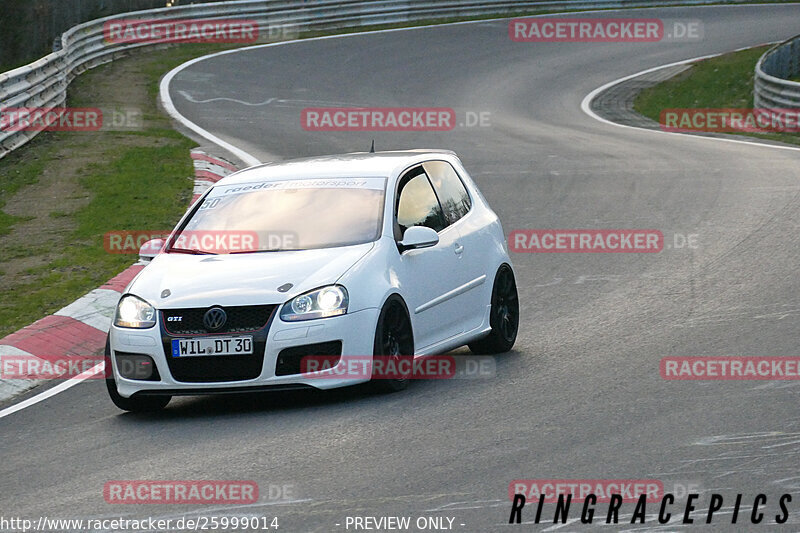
x: 240, y: 319
x: 290, y: 360
x: 253, y: 319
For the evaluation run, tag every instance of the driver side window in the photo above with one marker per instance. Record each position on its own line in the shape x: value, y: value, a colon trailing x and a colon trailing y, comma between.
x: 417, y: 204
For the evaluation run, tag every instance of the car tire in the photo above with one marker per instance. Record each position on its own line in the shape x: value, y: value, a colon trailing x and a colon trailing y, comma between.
x: 393, y: 338
x: 503, y: 317
x: 133, y: 404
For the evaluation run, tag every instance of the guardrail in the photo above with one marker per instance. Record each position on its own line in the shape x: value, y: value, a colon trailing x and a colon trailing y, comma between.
x: 43, y: 83
x: 772, y: 88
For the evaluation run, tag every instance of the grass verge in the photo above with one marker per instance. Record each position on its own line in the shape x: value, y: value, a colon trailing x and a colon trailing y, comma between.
x: 724, y: 81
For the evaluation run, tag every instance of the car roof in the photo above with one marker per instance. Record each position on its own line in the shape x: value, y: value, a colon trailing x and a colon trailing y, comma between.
x: 354, y: 165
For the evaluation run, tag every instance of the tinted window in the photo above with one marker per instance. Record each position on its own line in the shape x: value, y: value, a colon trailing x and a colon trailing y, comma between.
x: 417, y: 204
x: 452, y: 194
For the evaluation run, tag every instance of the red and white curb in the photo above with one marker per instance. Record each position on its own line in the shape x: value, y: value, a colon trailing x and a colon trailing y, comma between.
x: 80, y: 328
x: 207, y: 171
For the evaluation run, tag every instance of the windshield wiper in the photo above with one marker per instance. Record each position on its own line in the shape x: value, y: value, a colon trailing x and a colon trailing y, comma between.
x: 191, y: 251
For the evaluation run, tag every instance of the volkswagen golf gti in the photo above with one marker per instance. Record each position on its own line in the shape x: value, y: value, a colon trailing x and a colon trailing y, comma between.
x: 391, y: 254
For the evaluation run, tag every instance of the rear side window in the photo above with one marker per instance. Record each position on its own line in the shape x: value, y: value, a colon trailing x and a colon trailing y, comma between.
x: 449, y: 188
x: 417, y: 204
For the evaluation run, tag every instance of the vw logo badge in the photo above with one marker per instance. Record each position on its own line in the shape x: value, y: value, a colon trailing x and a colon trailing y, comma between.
x: 215, y: 318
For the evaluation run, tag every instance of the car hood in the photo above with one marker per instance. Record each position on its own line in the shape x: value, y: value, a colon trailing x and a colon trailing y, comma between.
x: 241, y: 279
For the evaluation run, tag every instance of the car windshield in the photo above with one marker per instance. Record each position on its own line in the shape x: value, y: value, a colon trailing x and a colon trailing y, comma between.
x: 284, y: 215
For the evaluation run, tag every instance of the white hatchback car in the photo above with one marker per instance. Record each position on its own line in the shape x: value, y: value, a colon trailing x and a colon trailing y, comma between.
x: 390, y: 253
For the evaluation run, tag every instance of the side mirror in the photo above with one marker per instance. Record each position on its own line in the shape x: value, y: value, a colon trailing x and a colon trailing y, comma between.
x: 418, y: 237
x: 150, y: 249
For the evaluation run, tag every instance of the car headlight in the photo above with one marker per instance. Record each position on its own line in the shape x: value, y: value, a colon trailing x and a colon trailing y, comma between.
x: 133, y: 312
x: 319, y: 303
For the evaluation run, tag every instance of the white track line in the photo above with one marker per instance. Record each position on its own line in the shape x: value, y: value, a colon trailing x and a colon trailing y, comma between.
x: 587, y: 102
x: 169, y: 107
x: 53, y: 391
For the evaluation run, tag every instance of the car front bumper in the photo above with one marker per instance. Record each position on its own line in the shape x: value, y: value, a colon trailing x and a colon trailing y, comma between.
x: 356, y: 331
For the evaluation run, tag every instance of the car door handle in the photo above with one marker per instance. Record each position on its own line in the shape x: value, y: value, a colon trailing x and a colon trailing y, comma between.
x: 458, y: 249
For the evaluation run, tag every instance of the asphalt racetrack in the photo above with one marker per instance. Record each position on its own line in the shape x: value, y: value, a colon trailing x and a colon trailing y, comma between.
x: 580, y: 397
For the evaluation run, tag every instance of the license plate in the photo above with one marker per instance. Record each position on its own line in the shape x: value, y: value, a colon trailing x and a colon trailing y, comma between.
x: 206, y: 346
